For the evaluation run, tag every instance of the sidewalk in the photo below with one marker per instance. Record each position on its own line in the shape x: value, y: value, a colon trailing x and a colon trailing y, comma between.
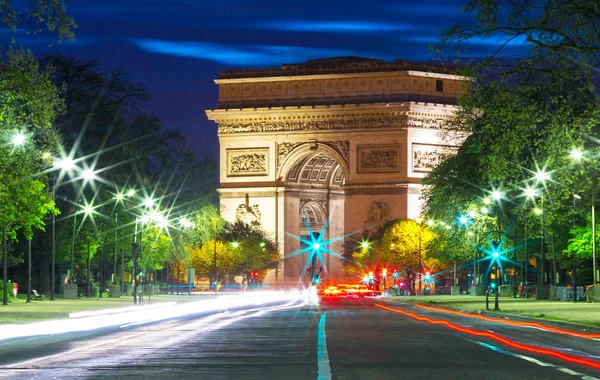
x: 18, y: 311
x: 573, y: 312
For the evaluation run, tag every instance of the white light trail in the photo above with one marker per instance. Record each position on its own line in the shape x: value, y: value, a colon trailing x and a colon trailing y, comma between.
x: 87, y: 321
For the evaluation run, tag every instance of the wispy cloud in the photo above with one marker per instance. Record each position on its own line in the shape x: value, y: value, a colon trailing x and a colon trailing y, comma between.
x: 351, y: 27
x: 242, y: 55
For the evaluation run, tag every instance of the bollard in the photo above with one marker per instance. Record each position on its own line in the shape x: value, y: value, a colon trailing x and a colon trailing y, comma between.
x: 496, y: 300
x: 487, y: 300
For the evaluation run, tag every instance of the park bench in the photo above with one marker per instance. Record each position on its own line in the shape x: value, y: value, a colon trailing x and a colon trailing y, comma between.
x: 36, y: 296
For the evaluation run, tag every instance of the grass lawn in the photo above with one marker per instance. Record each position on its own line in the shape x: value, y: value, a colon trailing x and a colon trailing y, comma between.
x: 19, y: 311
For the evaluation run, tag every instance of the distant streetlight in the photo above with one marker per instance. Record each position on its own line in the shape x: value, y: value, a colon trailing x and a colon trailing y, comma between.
x: 497, y: 195
x: 18, y: 139
x: 576, y: 154
x: 148, y: 202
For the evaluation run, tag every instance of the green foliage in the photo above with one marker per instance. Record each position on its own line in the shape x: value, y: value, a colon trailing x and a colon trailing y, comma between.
x: 580, y: 243
x: 28, y: 104
x: 516, y: 120
x: 9, y: 291
x: 51, y: 14
x: 155, y: 249
x: 254, y: 251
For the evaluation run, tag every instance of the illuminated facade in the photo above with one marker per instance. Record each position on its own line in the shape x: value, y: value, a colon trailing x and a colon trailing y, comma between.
x: 344, y: 139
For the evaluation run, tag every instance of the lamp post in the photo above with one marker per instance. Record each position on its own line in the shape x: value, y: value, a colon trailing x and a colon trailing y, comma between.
x: 53, y: 269
x: 214, y: 220
x: 419, y: 220
x: 578, y: 155
x: 542, y: 176
x: 28, y: 270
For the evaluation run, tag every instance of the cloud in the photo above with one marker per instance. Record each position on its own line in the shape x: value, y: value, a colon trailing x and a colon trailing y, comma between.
x: 243, y: 55
x: 351, y: 27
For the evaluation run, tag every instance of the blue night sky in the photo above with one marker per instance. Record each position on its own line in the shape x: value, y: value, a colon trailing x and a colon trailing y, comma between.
x: 176, y: 48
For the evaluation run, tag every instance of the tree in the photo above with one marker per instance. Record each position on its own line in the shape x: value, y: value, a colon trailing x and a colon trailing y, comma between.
x: 155, y: 249
x: 28, y: 104
x: 406, y: 244
x: 105, y: 130
x: 52, y: 14
x: 564, y: 27
x: 251, y: 248
x: 517, y: 117
x: 202, y: 259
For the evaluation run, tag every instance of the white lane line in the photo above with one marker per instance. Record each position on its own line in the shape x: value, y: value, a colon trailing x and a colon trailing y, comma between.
x: 536, y: 361
x: 323, y: 368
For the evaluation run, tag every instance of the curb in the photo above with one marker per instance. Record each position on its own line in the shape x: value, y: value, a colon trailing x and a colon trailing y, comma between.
x: 581, y: 327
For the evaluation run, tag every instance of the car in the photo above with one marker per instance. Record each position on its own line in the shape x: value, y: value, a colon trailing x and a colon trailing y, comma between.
x: 354, y: 290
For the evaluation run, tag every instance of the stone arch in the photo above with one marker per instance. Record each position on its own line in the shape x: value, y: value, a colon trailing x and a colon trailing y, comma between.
x: 312, y: 213
x: 303, y: 152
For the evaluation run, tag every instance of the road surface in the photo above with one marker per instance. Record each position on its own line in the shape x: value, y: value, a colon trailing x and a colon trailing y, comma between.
x: 350, y: 339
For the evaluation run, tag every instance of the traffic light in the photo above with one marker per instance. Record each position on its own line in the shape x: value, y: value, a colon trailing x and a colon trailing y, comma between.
x: 370, y: 275
x: 395, y: 274
x: 384, y: 272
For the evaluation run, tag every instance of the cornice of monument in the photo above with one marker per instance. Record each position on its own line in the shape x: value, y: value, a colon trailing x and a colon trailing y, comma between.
x: 327, y: 111
x: 332, y: 117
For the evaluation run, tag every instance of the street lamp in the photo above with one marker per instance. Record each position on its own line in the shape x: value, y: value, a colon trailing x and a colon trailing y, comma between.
x: 419, y: 220
x: 577, y: 154
x: 214, y: 220
x: 542, y: 176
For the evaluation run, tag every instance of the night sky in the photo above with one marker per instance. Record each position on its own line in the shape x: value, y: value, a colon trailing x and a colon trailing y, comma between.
x: 176, y: 48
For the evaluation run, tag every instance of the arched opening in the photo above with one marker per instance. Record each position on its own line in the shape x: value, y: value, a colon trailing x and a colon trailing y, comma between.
x: 314, y: 192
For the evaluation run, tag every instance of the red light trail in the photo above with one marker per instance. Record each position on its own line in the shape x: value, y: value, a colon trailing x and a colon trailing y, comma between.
x: 508, y: 342
x: 513, y: 323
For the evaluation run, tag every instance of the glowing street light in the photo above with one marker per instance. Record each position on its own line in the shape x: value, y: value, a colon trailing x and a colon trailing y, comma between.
x: 185, y: 223
x: 317, y: 246
x: 530, y: 192
x: 148, y: 202
x: 364, y: 244
x: 88, y: 174
x: 131, y: 193
x: 497, y: 195
x: 542, y: 175
x: 495, y: 254
x: 18, y: 139
x: 235, y: 244
x: 576, y: 154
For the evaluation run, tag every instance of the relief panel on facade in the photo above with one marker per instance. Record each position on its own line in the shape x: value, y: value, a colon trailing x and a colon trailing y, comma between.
x: 247, y: 162
x: 426, y: 157
x: 378, y: 158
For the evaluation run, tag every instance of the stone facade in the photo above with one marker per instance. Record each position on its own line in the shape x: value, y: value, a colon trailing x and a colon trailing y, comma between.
x: 348, y: 143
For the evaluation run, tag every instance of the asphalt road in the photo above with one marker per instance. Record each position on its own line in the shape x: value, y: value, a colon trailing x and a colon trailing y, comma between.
x: 351, y: 339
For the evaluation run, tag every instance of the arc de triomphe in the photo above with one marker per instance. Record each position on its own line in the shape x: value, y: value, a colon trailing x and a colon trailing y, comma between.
x: 344, y: 139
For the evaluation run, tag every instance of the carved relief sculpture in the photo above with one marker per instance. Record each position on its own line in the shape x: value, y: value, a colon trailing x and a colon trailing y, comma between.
x: 247, y: 162
x: 378, y: 159
x: 283, y: 149
x: 379, y: 213
x: 249, y: 215
x: 426, y: 157
x: 342, y: 147
x: 301, y: 125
